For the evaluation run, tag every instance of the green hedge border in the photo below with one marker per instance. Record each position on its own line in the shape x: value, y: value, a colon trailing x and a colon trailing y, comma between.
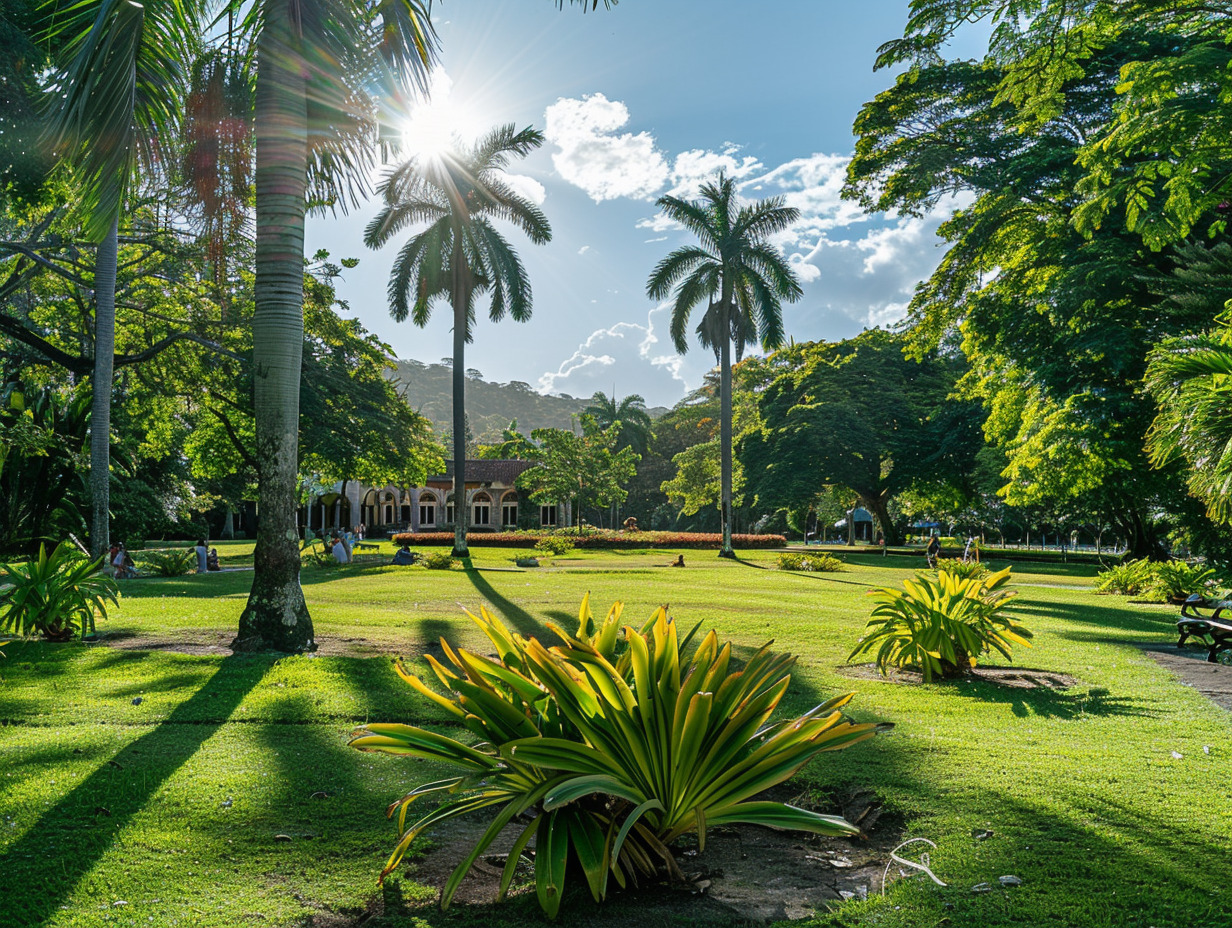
x: 598, y: 540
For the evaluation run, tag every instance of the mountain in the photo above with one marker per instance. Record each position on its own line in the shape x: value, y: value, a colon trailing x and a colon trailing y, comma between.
x: 490, y: 406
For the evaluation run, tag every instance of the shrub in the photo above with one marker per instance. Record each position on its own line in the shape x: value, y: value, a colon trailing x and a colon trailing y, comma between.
x: 1129, y: 578
x: 963, y: 570
x: 1176, y: 581
x: 609, y: 747
x: 54, y: 595
x: 939, y: 624
x: 593, y: 538
x: 169, y: 562
x: 555, y: 545
x: 810, y: 562
x: 437, y: 560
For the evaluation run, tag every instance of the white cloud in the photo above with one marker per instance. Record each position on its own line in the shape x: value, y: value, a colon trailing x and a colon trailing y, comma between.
x: 693, y: 168
x: 527, y: 187
x: 593, y: 157
x: 630, y: 353
x: 583, y: 249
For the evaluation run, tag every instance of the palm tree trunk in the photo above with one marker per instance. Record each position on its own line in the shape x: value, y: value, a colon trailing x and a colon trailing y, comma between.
x: 725, y: 428
x: 460, y: 293
x: 104, y: 375
x: 276, y: 615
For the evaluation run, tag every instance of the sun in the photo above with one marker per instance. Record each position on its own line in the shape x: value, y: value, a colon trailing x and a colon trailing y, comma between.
x: 440, y: 123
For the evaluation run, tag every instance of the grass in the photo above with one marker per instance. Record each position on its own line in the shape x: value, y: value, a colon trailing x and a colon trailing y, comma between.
x: 174, y: 806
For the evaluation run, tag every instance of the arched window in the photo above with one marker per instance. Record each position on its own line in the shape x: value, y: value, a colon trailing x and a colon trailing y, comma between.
x: 481, y: 509
x: 509, y: 508
x: 449, y: 514
x: 427, y: 510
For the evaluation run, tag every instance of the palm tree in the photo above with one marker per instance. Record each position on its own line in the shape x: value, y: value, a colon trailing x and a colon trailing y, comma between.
x: 116, y: 107
x: 630, y: 412
x: 1190, y: 379
x: 460, y: 254
x: 740, y: 277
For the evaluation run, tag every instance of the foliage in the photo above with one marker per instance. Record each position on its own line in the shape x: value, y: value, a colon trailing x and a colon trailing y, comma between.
x: 438, y: 560
x: 941, y: 624
x: 858, y: 414
x: 634, y: 430
x: 1163, y: 581
x: 822, y: 563
x: 556, y: 545
x: 587, y: 468
x: 597, y: 539
x: 963, y: 570
x: 613, y: 745
x: 168, y: 562
x: 54, y: 595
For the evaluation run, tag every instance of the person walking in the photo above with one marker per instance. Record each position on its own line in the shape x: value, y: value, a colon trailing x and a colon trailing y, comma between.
x: 933, y: 550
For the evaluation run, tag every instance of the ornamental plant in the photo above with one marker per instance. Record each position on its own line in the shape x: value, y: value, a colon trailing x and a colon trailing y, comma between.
x: 1129, y: 578
x: 169, y: 562
x: 54, y: 595
x: 1176, y: 581
x: 554, y: 545
x: 810, y: 563
x: 939, y: 624
x: 608, y: 748
x: 963, y: 570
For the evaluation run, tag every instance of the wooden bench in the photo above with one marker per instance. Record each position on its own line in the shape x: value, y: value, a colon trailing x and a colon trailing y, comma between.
x: 1203, y: 619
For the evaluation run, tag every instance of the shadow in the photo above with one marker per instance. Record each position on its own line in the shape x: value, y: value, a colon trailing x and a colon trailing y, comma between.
x: 69, y: 834
x: 1046, y: 702
x: 802, y: 574
x: 525, y: 623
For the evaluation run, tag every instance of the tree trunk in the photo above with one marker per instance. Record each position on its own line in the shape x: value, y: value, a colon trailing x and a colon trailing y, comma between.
x: 725, y: 426
x: 878, y: 506
x: 276, y: 615
x: 228, y: 525
x: 460, y: 294
x: 100, y: 409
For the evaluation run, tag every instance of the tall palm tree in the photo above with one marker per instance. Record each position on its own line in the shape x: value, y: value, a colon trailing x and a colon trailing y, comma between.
x: 741, y: 278
x: 635, y: 422
x: 460, y: 254
x: 115, y: 109
x: 1190, y: 379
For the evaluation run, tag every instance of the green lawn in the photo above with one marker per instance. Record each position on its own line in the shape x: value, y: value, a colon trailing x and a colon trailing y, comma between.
x: 166, y: 812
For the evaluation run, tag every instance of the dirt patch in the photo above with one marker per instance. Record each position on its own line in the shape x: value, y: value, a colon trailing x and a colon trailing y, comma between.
x: 1214, y: 681
x: 220, y: 643
x: 745, y: 874
x: 1024, y: 678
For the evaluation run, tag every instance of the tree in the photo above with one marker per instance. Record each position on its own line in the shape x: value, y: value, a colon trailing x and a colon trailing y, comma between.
x: 118, y: 104
x: 585, y: 468
x: 743, y: 280
x: 630, y: 412
x: 858, y: 414
x: 460, y: 254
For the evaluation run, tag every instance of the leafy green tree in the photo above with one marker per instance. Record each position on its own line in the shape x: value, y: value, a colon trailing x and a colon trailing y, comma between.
x: 587, y: 468
x: 635, y: 423
x: 741, y: 278
x: 118, y: 104
x: 861, y: 415
x: 460, y: 254
x: 512, y: 446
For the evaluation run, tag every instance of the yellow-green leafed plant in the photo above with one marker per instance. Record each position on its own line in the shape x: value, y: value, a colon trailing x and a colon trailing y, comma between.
x: 963, y: 570
x: 608, y: 748
x: 820, y: 563
x: 940, y: 624
x: 54, y: 594
x: 169, y: 562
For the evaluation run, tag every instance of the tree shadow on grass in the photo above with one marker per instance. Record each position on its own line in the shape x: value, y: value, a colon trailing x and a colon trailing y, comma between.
x: 525, y: 623
x: 1046, y: 702
x: 1112, y: 618
x: 802, y: 575
x: 75, y: 836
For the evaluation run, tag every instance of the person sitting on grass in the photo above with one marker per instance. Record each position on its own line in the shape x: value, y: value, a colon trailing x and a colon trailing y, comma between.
x: 404, y: 557
x: 203, y: 554
x: 339, y: 549
x: 211, y: 561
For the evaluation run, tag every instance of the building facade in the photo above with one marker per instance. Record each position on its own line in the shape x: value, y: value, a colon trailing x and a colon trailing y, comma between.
x: 493, y: 503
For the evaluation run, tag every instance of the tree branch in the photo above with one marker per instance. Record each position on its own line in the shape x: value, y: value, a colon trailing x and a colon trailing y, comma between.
x: 234, y: 436
x: 125, y: 360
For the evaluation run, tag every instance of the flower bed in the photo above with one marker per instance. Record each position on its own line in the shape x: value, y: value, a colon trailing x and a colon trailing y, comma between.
x: 597, y: 539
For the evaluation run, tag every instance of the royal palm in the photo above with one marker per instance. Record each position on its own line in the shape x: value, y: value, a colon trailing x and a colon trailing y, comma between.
x: 630, y: 412
x: 742, y: 280
x: 458, y: 253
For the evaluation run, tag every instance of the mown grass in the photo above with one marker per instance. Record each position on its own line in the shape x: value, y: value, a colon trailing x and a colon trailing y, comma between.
x: 173, y: 805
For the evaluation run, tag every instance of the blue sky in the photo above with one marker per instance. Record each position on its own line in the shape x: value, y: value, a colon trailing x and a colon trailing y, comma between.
x: 641, y: 100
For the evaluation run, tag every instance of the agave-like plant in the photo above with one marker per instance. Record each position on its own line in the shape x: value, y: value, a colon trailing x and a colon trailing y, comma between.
x: 963, y: 570
x: 169, y: 562
x: 1129, y: 578
x: 608, y: 748
x: 54, y: 595
x: 1175, y: 581
x: 939, y: 624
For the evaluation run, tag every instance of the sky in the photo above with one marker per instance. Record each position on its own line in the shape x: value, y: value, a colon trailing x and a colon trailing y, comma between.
x: 649, y: 98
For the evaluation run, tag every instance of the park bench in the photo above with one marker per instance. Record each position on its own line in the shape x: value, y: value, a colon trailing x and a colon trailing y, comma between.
x: 1203, y: 618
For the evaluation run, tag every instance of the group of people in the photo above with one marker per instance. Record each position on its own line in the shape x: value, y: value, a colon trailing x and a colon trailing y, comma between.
x: 122, y: 566
x: 207, y: 558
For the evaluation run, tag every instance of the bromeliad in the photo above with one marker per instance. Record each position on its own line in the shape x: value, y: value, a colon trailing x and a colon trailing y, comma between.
x: 609, y: 747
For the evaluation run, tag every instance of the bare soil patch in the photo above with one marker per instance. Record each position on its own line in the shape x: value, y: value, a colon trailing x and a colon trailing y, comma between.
x: 745, y: 875
x: 1025, y: 678
x: 1214, y: 681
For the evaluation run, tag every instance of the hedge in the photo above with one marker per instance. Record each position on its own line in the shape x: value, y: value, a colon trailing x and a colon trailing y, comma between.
x: 599, y: 539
